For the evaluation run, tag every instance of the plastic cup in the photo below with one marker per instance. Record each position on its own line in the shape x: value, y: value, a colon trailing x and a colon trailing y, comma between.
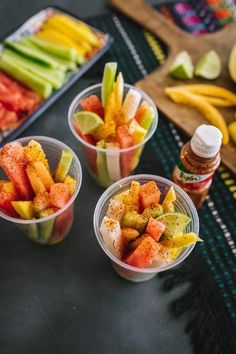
x: 183, y: 204
x: 55, y: 227
x: 128, y: 158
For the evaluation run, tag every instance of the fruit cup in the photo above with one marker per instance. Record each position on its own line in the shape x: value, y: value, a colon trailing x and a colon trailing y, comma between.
x: 183, y: 204
x: 53, y: 228
x: 108, y: 165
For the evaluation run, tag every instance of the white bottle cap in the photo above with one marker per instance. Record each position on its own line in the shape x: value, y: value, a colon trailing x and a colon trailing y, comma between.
x: 206, y: 141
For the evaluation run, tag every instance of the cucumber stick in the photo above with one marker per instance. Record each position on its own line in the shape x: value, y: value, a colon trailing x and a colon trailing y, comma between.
x: 62, y: 63
x: 27, y: 78
x: 102, y: 165
x: 55, y: 49
x: 55, y: 78
x: 31, y: 53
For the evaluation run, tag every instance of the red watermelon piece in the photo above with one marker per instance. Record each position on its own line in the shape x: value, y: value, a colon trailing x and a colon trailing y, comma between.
x: 144, y: 254
x: 125, y: 140
x: 155, y: 228
x: 5, y: 204
x: 92, y: 104
x: 149, y: 195
x: 13, y: 162
x: 59, y: 194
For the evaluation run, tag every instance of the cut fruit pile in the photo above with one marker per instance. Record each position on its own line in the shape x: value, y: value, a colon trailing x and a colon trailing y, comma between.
x: 113, y: 121
x: 41, y: 61
x: 142, y: 232
x: 33, y: 191
x: 206, y: 98
x: 16, y: 102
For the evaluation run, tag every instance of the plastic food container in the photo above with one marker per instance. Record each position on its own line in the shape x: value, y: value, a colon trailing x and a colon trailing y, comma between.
x: 53, y: 228
x: 94, y: 153
x: 183, y: 204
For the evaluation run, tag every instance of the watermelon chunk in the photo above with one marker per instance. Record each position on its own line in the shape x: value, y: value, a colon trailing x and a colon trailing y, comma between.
x: 149, y: 195
x: 8, y: 119
x: 141, y: 110
x: 155, y: 228
x: 12, y: 161
x: 92, y: 104
x: 144, y: 254
x: 41, y: 201
x: 59, y: 194
x: 5, y: 204
x: 125, y: 140
x: 90, y: 153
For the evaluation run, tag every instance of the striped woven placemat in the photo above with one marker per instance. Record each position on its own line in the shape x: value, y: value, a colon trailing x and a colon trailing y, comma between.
x: 211, y: 270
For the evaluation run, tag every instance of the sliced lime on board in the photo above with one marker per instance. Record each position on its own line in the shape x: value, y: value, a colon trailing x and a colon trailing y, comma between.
x: 182, y: 67
x: 209, y: 66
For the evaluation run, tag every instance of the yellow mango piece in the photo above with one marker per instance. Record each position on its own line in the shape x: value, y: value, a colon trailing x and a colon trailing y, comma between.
x: 80, y: 29
x: 34, y: 153
x: 36, y: 183
x: 51, y: 24
x: 211, y: 90
x: 106, y: 132
x: 71, y: 183
x: 129, y: 234
x: 118, y: 89
x: 24, y: 209
x: 232, y: 131
x: 181, y: 95
x: 44, y: 175
x: 130, y: 197
x: 170, y: 196
x: 110, y: 108
x: 181, y: 240
x: 217, y: 101
x: 137, y: 131
x: 7, y: 186
x: 53, y: 36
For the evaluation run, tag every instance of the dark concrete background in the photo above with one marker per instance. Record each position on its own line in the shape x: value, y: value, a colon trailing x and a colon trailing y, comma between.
x: 66, y: 298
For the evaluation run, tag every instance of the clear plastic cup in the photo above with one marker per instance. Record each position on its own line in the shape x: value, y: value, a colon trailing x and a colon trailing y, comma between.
x: 183, y: 204
x: 128, y: 158
x: 55, y: 227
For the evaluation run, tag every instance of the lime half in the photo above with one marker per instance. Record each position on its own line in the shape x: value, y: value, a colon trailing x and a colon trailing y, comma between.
x: 182, y: 67
x: 87, y: 121
x: 209, y: 66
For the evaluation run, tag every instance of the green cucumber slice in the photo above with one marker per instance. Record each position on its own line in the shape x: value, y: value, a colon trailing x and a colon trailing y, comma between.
x: 63, y: 166
x: 108, y: 80
x: 30, y: 53
x: 61, y: 62
x: 45, y: 228
x: 102, y: 172
x: 27, y: 78
x: 61, y: 51
x: 56, y: 79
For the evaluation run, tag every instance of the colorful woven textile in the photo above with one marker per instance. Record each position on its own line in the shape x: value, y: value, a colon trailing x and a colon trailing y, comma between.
x: 211, y: 269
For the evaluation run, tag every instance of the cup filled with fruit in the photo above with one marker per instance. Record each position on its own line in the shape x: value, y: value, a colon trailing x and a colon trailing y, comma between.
x: 40, y: 177
x: 112, y: 121
x: 145, y: 224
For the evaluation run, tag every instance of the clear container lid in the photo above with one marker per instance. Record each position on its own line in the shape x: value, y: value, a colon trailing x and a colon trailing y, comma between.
x: 206, y: 141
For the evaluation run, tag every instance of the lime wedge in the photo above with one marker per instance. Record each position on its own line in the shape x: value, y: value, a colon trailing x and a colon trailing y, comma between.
x: 87, y: 121
x: 209, y: 66
x: 175, y: 224
x: 182, y: 67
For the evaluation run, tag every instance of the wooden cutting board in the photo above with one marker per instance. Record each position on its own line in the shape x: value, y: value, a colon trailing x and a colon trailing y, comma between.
x: 186, y: 118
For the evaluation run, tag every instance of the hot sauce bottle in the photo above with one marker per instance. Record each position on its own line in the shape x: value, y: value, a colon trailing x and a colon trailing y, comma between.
x: 199, y: 159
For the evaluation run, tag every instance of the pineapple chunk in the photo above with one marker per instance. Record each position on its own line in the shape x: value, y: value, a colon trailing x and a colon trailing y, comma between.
x: 34, y: 153
x: 137, y: 131
x: 129, y: 234
x: 34, y: 179
x: 118, y: 89
x: 106, y: 132
x: 24, y: 209
x: 110, y: 108
x: 71, y: 183
x: 130, y: 197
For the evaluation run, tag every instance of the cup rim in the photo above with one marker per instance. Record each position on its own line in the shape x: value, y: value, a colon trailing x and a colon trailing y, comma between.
x: 73, y: 197
x: 157, y: 179
x: 82, y: 141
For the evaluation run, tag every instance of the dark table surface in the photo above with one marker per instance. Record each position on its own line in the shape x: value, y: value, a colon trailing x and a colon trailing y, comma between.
x: 67, y: 298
